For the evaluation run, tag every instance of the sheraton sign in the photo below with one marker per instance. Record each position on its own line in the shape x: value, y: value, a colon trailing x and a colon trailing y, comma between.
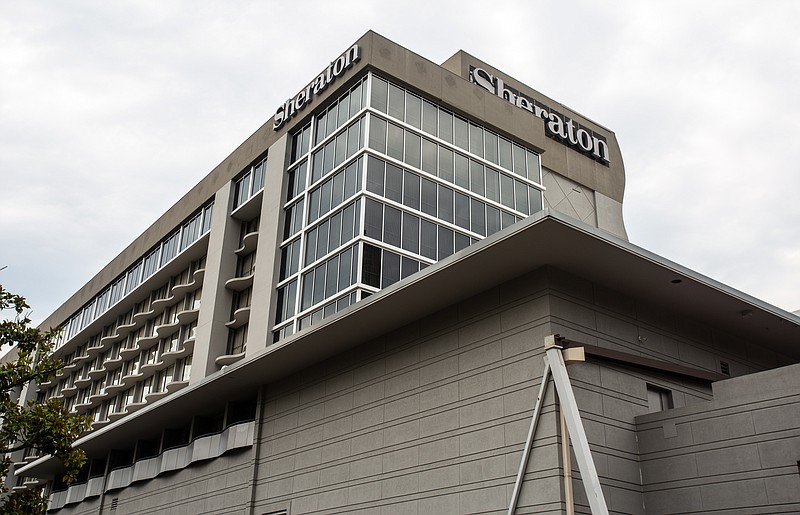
x: 557, y: 125
x: 337, y: 67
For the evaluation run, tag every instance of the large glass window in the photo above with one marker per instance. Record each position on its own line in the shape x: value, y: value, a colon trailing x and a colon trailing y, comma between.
x: 431, y: 183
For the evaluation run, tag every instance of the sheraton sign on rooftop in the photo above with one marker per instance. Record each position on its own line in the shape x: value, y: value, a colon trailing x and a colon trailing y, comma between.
x: 557, y: 126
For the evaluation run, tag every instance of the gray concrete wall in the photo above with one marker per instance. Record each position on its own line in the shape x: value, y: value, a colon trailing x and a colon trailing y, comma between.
x: 432, y: 418
x: 738, y: 453
x: 216, y: 486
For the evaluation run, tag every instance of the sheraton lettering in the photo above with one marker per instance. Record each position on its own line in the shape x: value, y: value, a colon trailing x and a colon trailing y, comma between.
x: 557, y: 125
x: 335, y: 69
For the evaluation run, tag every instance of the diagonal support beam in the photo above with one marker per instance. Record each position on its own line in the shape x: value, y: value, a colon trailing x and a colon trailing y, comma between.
x: 512, y: 507
x: 577, y: 434
x: 554, y: 365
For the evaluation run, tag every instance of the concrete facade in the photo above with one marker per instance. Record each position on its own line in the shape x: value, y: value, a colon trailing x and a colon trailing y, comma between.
x: 415, y: 396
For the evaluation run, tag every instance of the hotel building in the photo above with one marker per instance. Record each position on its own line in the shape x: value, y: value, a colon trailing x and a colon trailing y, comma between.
x: 349, y: 315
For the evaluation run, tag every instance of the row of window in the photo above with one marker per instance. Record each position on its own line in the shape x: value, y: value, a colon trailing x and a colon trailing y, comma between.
x: 405, y: 106
x: 163, y: 253
x: 332, y: 233
x: 382, y: 267
x: 335, y: 190
x: 249, y: 184
x: 446, y: 204
x: 412, y: 233
x: 337, y: 114
x: 330, y: 277
x: 456, y: 168
x: 338, y: 150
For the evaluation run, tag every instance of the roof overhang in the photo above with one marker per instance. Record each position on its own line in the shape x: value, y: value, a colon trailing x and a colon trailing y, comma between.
x: 547, y: 238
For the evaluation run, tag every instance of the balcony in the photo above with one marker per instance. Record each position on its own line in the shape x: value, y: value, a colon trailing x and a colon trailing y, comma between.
x: 240, y: 317
x: 249, y: 244
x: 188, y: 316
x: 228, y: 359
x: 240, y: 283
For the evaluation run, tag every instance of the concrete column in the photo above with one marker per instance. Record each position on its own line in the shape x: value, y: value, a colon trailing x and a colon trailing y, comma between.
x: 270, y: 234
x: 211, y: 335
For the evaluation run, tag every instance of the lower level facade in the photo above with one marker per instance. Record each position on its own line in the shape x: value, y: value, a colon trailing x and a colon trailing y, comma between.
x: 432, y: 417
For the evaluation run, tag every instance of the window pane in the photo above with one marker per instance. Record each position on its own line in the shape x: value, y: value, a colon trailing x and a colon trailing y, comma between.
x: 507, y: 191
x: 345, y: 265
x: 461, y: 132
x: 327, y: 158
x: 519, y: 160
x: 428, y: 197
x: 505, y: 153
x: 332, y: 279
x: 462, y: 241
x: 377, y: 134
x: 390, y: 272
x: 413, y: 110
x: 355, y: 98
x: 308, y: 289
x: 411, y: 190
x: 492, y: 184
x: 445, y: 204
x: 311, y: 246
x: 446, y: 164
x: 411, y: 233
x: 319, y: 284
x: 462, y: 171
x: 476, y: 139
x: 391, y: 226
x: 348, y: 223
x: 478, y: 216
x: 491, y: 146
x: 445, y: 242
x: 429, y: 155
x: 379, y: 94
x: 412, y: 154
x: 462, y: 210
x: 322, y: 239
x: 429, y: 118
x: 408, y: 266
x: 476, y: 180
x: 535, y: 197
x: 394, y: 182
x: 351, y: 179
x: 395, y: 142
x: 325, y: 197
x: 375, y: 175
x: 335, y: 232
x: 521, y: 194
x: 446, y: 126
x: 396, y: 102
x: 344, y: 111
x: 373, y: 219
x: 371, y: 268
x: 428, y: 239
x: 492, y: 220
x: 533, y: 166
x: 353, y: 139
x: 337, y: 194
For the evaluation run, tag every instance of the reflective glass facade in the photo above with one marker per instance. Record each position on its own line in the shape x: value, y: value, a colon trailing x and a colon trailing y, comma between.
x: 382, y: 183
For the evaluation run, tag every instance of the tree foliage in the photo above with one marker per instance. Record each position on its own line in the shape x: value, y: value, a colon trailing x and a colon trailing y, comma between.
x: 46, y: 427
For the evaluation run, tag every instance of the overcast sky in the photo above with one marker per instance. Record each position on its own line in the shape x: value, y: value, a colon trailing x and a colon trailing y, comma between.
x: 110, y: 111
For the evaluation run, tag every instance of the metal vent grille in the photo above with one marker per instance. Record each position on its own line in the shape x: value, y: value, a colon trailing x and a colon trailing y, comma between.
x: 114, y: 503
x: 725, y: 368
